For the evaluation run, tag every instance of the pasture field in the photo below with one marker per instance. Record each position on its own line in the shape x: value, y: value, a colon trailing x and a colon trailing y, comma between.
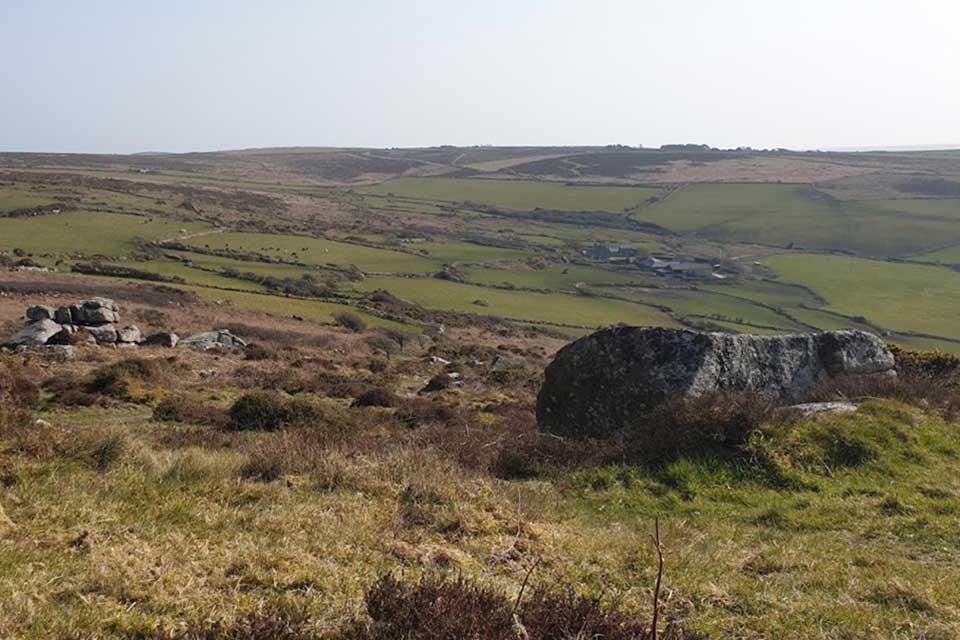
x: 553, y: 276
x: 584, y: 311
x: 899, y: 297
x: 519, y: 195
x: 281, y: 306
x: 176, y: 269
x: 319, y: 252
x: 769, y: 292
x: 797, y: 216
x: 87, y: 232
x: 13, y: 198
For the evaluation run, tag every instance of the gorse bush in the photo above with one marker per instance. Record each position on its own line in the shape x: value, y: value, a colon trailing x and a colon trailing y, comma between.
x: 270, y: 411
x: 350, y: 321
x: 131, y: 379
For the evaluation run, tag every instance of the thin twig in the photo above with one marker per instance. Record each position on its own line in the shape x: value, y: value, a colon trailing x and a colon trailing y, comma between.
x: 516, y: 605
x: 656, y: 589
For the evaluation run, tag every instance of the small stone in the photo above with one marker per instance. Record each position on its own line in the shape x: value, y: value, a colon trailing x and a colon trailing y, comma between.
x: 102, y: 333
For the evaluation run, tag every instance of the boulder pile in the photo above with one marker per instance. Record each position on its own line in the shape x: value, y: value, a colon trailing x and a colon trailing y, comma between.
x: 97, y: 321
x: 98, y: 317
x: 604, y: 383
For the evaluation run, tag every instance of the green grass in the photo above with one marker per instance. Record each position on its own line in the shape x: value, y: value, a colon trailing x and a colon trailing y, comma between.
x: 848, y: 529
x: 553, y: 276
x: 899, y: 297
x: 13, y: 198
x: 283, y: 307
x: 319, y: 252
x: 175, y: 269
x: 784, y: 215
x: 86, y: 233
x: 520, y: 195
x: 522, y: 305
x: 865, y: 546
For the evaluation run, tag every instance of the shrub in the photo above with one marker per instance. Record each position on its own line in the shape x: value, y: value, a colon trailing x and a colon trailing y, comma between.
x: 376, y: 397
x: 438, y: 382
x: 441, y: 608
x: 350, y: 321
x: 257, y: 351
x: 259, y: 411
x: 269, y: 411
x: 414, y: 412
x: 127, y: 378
x: 189, y: 410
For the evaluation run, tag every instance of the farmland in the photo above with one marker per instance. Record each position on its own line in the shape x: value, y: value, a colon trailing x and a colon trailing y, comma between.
x: 521, y: 195
x: 345, y: 224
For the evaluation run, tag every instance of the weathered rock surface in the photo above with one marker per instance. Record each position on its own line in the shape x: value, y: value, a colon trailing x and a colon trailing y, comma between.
x: 821, y: 408
x: 129, y: 334
x: 162, y: 339
x: 507, y: 362
x: 40, y: 312
x: 218, y: 339
x: 603, y: 382
x: 34, y: 334
x: 103, y: 333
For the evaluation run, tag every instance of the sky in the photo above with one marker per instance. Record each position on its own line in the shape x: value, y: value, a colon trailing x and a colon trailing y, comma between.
x: 110, y: 76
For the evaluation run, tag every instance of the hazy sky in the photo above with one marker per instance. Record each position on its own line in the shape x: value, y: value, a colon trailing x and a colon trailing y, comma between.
x: 181, y: 75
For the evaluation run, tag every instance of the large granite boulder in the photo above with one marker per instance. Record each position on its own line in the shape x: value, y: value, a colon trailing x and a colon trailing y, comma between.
x: 600, y: 384
x: 218, y: 339
x: 34, y: 334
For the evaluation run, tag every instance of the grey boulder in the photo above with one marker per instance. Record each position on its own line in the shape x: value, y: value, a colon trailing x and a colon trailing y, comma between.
x: 67, y: 314
x: 40, y: 312
x: 103, y: 333
x: 35, y: 334
x: 602, y: 383
x: 129, y: 334
x: 218, y: 339
x: 162, y: 339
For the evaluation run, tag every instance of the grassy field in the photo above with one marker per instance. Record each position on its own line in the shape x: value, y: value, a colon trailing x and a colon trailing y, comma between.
x: 310, y: 310
x: 176, y: 269
x: 522, y: 305
x: 785, y: 215
x: 13, y: 198
x: 520, y: 195
x: 830, y: 545
x: 553, y: 276
x: 900, y: 297
x: 319, y: 252
x: 88, y: 233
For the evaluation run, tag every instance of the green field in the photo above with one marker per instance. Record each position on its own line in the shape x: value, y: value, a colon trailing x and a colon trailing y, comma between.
x: 319, y: 252
x: 520, y: 195
x: 790, y: 215
x: 899, y: 297
x: 521, y: 305
x: 12, y: 198
x: 87, y: 233
x: 553, y: 276
x: 280, y: 306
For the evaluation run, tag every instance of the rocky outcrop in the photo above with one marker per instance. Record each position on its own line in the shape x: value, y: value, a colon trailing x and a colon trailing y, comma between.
x: 600, y: 384
x: 218, y: 339
x: 97, y: 317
